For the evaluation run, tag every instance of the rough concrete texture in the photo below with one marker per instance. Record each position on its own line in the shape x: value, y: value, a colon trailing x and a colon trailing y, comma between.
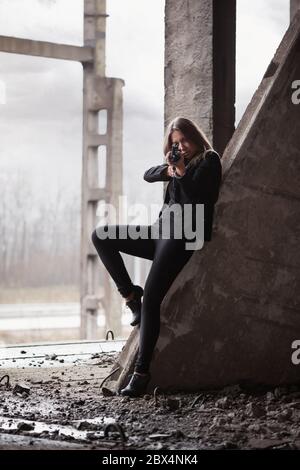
x: 294, y: 6
x: 189, y: 61
x: 233, y: 312
x: 200, y: 65
x: 45, y: 49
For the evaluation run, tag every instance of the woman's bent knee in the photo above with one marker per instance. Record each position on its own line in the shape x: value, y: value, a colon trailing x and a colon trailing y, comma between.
x: 95, y: 237
x: 99, y: 235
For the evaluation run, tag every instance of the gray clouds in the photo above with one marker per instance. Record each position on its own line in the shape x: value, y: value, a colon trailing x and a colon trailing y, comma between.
x: 44, y: 97
x: 260, y: 28
x: 40, y: 126
x: 55, y: 21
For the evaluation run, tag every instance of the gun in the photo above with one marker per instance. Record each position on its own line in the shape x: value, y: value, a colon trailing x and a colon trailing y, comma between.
x: 175, y: 153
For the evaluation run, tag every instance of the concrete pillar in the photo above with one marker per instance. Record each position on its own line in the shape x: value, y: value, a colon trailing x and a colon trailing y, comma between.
x: 99, y: 94
x: 95, y: 31
x: 294, y: 6
x: 200, y: 65
x: 224, y: 44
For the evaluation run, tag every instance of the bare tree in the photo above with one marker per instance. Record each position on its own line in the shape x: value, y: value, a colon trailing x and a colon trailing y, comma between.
x: 40, y: 240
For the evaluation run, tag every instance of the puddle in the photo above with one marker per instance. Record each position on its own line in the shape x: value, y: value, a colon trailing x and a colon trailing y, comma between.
x: 70, y: 431
x: 49, y: 356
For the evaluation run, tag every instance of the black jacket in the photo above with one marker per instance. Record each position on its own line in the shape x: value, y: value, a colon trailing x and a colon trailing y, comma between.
x: 200, y: 184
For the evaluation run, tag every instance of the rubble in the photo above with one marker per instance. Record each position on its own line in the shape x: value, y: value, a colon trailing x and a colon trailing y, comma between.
x: 62, y: 408
x: 21, y: 390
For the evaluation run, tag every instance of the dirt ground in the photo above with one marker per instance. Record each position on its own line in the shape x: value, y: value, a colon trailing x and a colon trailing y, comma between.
x: 54, y: 401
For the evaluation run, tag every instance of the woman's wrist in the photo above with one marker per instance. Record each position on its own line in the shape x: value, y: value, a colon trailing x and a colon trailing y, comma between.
x: 180, y: 171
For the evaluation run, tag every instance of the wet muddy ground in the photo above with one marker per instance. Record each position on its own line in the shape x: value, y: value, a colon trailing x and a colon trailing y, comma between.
x: 53, y: 401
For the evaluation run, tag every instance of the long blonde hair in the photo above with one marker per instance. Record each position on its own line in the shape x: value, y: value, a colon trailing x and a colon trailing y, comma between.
x: 191, y: 132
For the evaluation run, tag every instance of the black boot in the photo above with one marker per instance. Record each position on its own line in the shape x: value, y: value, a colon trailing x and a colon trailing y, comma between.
x: 135, y: 305
x: 137, y: 385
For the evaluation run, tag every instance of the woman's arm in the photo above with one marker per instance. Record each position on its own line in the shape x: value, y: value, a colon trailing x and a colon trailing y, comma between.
x: 157, y: 173
x: 204, y: 182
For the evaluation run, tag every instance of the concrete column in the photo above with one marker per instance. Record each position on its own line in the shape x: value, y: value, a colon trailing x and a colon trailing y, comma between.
x: 200, y: 65
x: 95, y: 31
x: 99, y: 93
x: 294, y: 6
x: 224, y: 42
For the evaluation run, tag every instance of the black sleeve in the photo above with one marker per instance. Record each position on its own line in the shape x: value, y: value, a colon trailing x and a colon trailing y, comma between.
x: 157, y: 173
x: 204, y: 182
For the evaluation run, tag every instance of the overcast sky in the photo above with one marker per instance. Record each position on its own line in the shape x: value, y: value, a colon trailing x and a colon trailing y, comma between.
x: 40, y: 123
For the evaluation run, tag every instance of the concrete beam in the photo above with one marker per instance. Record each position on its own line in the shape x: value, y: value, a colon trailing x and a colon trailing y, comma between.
x: 97, y: 194
x: 46, y: 49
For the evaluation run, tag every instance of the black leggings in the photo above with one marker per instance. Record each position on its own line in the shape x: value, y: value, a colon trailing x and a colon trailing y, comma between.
x: 168, y: 255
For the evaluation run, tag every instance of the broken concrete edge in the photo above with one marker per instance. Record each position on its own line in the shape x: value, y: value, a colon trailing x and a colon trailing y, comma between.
x: 119, y: 374
x: 257, y: 103
x: 114, y: 386
x: 122, y: 366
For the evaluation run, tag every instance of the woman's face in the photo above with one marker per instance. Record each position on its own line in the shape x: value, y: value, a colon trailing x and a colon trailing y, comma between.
x: 188, y: 149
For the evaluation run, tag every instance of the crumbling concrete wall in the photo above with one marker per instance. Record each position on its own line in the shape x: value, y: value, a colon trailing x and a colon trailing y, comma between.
x: 233, y: 312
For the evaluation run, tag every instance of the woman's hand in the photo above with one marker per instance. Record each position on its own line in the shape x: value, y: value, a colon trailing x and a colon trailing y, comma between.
x: 170, y: 171
x: 179, y: 166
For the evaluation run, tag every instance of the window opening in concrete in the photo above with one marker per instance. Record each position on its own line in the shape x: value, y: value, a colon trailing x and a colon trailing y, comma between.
x: 101, y: 166
x: 102, y: 121
x: 40, y: 178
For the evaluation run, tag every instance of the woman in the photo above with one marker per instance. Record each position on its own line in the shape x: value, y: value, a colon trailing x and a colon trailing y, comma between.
x: 194, y: 179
